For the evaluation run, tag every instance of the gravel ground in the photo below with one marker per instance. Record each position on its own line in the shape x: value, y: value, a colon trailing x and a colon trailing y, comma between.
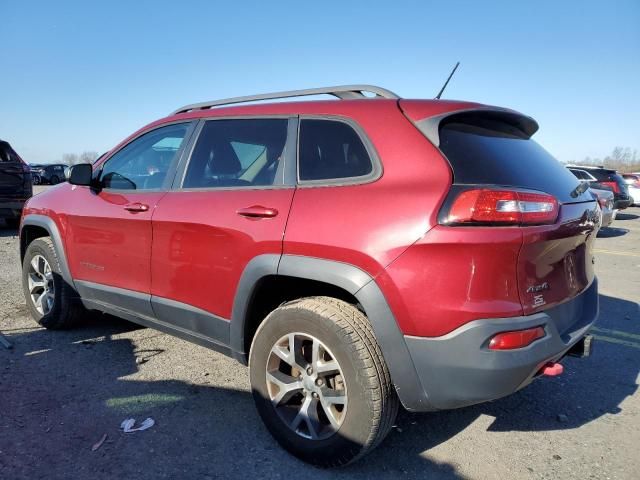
x: 60, y: 392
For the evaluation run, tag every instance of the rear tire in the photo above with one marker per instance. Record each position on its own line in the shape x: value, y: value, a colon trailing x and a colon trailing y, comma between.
x: 54, y: 180
x: 52, y: 302
x: 347, y: 346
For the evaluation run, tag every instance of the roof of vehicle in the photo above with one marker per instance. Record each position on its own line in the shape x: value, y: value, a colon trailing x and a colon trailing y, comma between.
x: 324, y: 107
x: 349, y: 97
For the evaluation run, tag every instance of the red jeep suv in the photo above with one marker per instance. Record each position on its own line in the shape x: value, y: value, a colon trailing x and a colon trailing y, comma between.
x: 357, y: 253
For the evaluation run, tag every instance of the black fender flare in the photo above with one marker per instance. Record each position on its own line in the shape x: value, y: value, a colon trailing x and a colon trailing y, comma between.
x: 50, y: 226
x: 358, y: 283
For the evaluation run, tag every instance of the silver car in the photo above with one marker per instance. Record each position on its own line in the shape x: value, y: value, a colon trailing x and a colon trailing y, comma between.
x: 605, y: 200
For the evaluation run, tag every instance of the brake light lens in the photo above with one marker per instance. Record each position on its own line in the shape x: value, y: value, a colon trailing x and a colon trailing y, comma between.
x: 516, y: 339
x: 613, y: 186
x: 505, y: 207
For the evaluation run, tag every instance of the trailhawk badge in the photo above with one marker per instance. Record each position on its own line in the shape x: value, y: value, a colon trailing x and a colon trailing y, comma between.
x: 538, y: 288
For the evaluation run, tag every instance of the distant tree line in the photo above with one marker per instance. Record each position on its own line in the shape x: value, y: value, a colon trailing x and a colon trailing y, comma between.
x: 623, y: 159
x: 74, y: 158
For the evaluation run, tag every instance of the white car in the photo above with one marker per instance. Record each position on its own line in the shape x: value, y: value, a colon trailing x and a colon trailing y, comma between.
x: 633, y: 184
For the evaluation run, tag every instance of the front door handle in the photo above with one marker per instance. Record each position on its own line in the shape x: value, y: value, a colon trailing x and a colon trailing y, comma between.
x: 136, y: 207
x: 257, y: 211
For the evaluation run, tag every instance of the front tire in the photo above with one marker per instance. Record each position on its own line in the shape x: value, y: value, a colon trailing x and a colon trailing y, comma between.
x: 52, y: 302
x: 320, y: 382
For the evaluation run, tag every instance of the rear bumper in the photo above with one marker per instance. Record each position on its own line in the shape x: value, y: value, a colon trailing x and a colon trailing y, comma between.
x: 622, y: 201
x: 458, y: 369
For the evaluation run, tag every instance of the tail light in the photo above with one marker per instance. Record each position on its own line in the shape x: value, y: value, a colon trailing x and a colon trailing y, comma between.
x: 612, y: 185
x: 503, y: 207
x: 516, y: 339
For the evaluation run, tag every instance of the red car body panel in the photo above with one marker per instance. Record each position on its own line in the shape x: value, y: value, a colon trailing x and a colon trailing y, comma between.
x: 452, y: 276
x: 201, y: 245
x: 382, y: 218
x: 105, y: 243
x: 556, y: 261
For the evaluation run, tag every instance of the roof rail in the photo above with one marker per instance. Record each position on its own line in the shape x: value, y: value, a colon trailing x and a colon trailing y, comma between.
x: 342, y: 92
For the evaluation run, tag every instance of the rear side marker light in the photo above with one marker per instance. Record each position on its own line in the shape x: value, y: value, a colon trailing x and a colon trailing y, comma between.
x: 506, y: 207
x: 516, y: 339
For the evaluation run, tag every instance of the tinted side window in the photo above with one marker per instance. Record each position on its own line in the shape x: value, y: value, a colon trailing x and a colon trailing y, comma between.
x: 331, y: 150
x: 238, y: 153
x: 145, y: 162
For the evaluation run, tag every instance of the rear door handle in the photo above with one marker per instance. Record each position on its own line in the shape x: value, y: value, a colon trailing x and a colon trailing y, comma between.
x: 136, y: 207
x: 257, y: 211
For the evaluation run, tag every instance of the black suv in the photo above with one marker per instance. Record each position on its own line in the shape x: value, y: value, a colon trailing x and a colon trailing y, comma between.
x: 51, y: 174
x: 605, y: 179
x: 15, y: 184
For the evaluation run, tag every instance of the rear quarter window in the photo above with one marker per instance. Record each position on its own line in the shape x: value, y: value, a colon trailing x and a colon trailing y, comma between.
x: 331, y: 150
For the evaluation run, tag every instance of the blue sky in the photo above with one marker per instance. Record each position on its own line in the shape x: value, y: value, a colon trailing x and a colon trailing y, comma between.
x: 83, y: 75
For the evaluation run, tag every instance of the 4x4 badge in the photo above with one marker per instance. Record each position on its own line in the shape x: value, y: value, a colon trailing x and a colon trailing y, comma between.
x: 538, y: 300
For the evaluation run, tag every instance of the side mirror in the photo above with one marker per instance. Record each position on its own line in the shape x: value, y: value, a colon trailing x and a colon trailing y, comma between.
x: 81, y: 174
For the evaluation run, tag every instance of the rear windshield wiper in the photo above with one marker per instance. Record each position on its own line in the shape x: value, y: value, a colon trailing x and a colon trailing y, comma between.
x: 580, y: 189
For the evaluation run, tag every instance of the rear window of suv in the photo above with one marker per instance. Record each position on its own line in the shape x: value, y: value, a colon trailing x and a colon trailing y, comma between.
x: 495, y: 153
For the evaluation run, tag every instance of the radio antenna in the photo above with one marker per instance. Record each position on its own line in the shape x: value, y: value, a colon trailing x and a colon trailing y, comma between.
x: 447, y: 82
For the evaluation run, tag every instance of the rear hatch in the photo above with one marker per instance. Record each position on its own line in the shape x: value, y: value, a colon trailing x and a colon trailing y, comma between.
x: 15, y: 178
x: 491, y: 151
x: 611, y: 180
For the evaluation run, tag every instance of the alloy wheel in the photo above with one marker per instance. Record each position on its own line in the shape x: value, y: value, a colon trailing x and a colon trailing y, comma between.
x: 306, y: 386
x: 41, y: 286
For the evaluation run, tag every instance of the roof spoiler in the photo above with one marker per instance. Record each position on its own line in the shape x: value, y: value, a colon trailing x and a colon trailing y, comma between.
x: 430, y: 126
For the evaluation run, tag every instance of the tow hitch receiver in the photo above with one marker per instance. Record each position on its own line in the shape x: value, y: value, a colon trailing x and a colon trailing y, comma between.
x: 582, y: 348
x: 552, y: 369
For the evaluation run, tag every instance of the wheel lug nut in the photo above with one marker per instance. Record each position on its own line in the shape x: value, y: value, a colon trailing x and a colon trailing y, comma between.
x: 319, y: 382
x: 314, y: 395
x: 309, y: 371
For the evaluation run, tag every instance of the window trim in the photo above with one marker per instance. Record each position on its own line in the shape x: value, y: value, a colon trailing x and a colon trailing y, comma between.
x: 376, y: 164
x: 167, y: 182
x: 290, y: 152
